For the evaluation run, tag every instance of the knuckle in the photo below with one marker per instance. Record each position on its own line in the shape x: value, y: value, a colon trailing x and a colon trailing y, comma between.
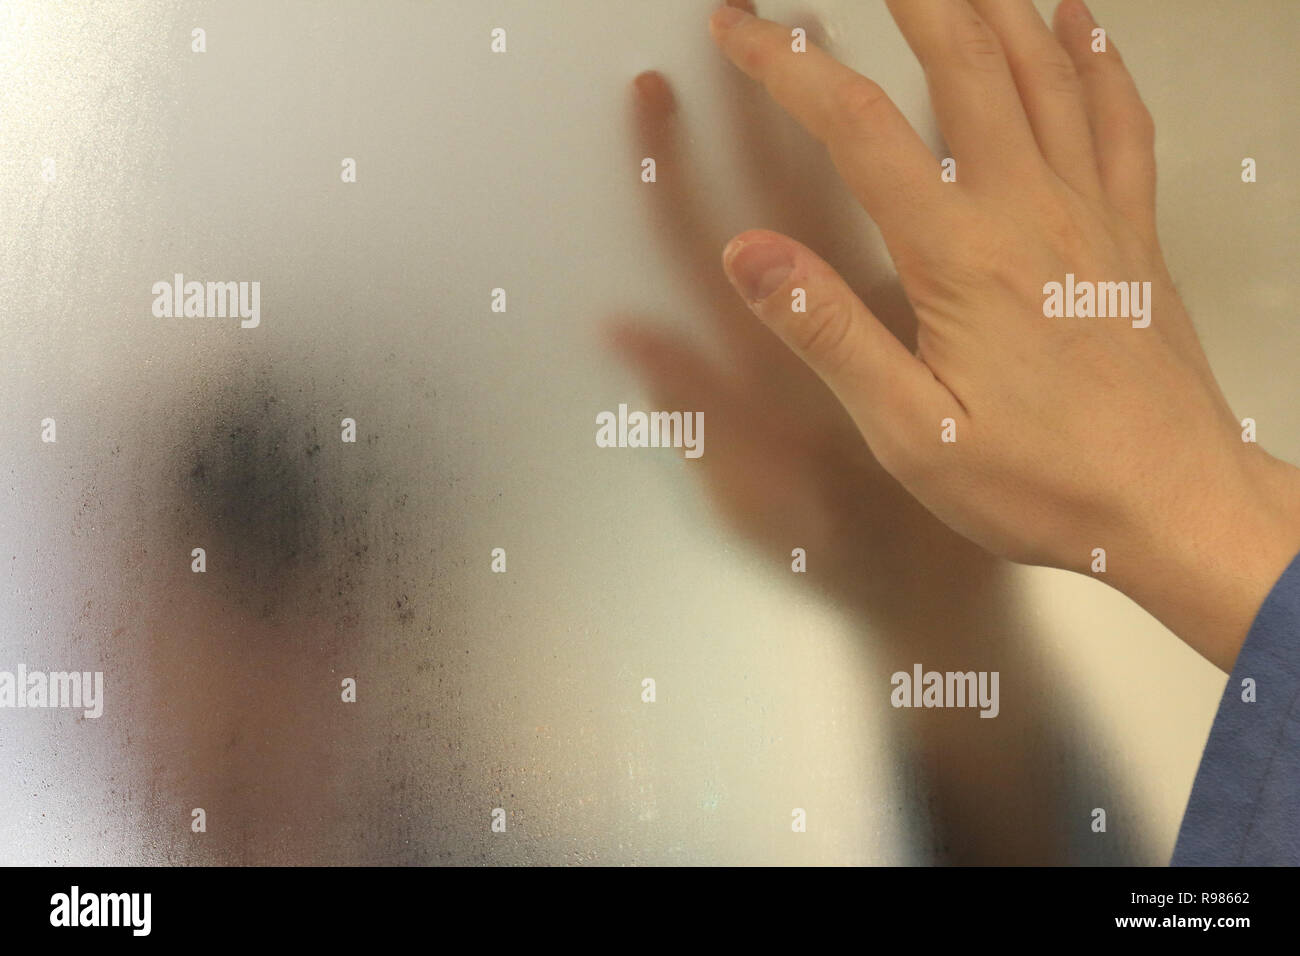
x: 943, y: 273
x: 1138, y: 124
x: 1003, y: 268
x: 1057, y: 74
x: 1099, y: 65
x: 753, y: 54
x: 1059, y: 220
x: 859, y: 99
x: 823, y: 334
x: 976, y: 47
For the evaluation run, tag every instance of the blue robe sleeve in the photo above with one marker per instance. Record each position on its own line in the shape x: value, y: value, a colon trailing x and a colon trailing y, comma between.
x: 1244, y: 809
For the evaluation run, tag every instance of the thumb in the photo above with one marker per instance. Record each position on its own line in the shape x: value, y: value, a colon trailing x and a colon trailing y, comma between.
x: 892, y: 395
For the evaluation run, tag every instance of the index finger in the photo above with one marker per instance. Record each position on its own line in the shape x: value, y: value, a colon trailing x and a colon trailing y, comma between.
x: 885, y: 163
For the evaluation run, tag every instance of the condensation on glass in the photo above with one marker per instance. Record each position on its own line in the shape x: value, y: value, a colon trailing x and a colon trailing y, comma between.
x: 127, y: 159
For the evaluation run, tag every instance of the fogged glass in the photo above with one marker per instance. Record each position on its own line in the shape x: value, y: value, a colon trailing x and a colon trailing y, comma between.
x: 495, y: 589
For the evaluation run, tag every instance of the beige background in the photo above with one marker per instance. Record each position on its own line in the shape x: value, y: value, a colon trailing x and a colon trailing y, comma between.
x: 329, y: 560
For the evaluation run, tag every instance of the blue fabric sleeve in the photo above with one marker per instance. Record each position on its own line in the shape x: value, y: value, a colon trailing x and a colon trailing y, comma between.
x: 1245, y: 804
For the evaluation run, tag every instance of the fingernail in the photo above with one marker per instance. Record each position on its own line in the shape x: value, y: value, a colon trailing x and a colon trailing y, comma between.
x: 726, y: 17
x: 757, y: 269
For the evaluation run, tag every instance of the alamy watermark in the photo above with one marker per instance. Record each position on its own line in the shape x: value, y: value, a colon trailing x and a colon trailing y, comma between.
x: 946, y: 689
x: 75, y: 908
x: 1098, y: 300
x: 68, y: 689
x: 651, y: 430
x: 208, y: 300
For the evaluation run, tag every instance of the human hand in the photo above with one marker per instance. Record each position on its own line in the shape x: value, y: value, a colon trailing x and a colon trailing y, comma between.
x: 786, y: 465
x: 1071, y: 433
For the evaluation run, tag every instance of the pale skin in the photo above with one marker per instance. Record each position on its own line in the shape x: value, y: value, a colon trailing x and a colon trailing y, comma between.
x: 786, y: 465
x: 1071, y: 433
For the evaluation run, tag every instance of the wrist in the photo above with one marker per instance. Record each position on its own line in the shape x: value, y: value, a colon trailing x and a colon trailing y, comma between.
x: 1216, y: 547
